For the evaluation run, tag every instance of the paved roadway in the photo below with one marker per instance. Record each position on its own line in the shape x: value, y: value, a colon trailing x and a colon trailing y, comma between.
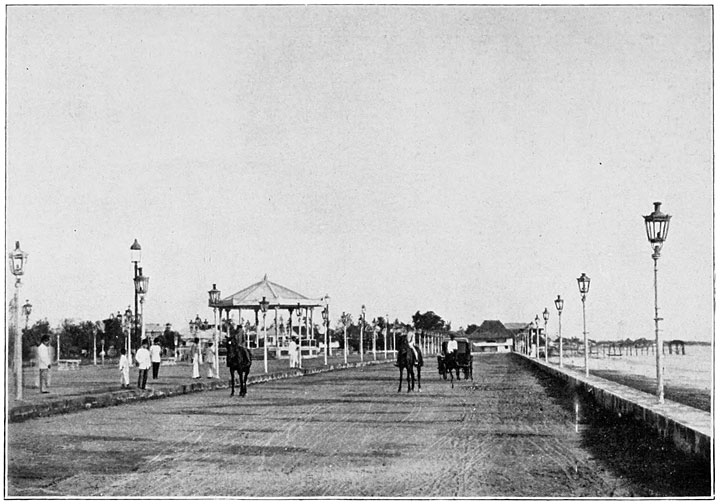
x: 509, y: 433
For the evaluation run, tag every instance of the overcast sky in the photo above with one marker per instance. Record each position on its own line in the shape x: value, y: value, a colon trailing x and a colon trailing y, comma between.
x: 472, y: 161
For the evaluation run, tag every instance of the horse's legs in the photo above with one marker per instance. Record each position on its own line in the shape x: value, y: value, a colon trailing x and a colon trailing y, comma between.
x: 419, y: 389
x: 410, y: 378
x: 243, y: 382
x: 400, y: 384
x: 452, y: 379
x: 232, y: 382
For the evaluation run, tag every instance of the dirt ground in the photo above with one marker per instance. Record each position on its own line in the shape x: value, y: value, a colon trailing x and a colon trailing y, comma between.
x: 509, y: 433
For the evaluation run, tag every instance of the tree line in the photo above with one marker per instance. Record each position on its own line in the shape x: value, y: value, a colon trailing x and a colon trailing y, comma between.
x: 77, y: 337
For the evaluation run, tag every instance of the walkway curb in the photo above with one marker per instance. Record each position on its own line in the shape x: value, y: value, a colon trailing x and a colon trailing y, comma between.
x: 90, y: 400
x: 690, y: 429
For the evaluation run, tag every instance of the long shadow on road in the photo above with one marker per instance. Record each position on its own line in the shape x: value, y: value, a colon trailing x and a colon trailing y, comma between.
x: 630, y: 449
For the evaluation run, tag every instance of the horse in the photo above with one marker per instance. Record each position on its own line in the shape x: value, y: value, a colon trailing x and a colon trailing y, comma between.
x: 239, y: 360
x: 407, y: 361
x: 446, y: 365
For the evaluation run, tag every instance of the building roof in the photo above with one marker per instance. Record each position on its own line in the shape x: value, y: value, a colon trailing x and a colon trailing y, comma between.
x: 490, y: 330
x: 277, y: 295
x: 516, y: 327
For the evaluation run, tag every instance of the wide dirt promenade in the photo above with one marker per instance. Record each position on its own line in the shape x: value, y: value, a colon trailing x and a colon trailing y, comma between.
x: 510, y: 433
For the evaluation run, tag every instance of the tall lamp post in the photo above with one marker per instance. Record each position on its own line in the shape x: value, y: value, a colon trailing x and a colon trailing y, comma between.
x: 584, y: 286
x: 141, y: 288
x: 299, y: 314
x: 559, y: 305
x: 135, y: 255
x: 362, y: 330
x: 537, y: 337
x: 264, y: 305
x: 385, y: 335
x: 328, y: 341
x: 213, y: 300
x: 18, y: 258
x: 128, y: 318
x: 345, y: 320
x: 546, y: 317
x: 27, y: 310
x: 656, y: 226
x: 327, y: 328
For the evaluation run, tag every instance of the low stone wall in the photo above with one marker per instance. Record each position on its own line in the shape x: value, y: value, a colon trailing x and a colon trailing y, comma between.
x: 690, y: 429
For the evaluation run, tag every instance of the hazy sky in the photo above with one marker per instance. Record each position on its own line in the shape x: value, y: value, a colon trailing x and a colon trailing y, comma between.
x: 470, y: 160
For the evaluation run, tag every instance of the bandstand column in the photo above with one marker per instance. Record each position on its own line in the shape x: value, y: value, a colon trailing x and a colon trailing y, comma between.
x: 299, y: 337
x: 311, y: 327
x: 277, y: 334
x: 240, y: 323
x: 307, y: 332
x: 257, y: 328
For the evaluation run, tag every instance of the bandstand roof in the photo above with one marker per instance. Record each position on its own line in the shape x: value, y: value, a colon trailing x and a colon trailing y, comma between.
x: 277, y: 295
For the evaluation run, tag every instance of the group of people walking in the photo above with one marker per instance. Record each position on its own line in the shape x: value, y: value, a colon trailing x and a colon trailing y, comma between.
x: 208, y: 359
x: 145, y: 358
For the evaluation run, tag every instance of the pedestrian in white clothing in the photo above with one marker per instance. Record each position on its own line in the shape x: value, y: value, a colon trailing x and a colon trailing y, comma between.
x: 142, y: 356
x: 195, y: 356
x: 293, y: 353
x: 155, y: 357
x: 210, y: 360
x: 44, y: 362
x: 124, y: 367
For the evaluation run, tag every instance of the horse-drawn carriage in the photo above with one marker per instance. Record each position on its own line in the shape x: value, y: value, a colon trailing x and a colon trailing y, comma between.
x: 462, y: 360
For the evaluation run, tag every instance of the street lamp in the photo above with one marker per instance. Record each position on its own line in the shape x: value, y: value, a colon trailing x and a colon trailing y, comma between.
x: 214, y: 299
x: 362, y: 329
x: 128, y: 325
x: 264, y: 304
x: 135, y: 255
x: 559, y: 305
x: 656, y: 226
x: 327, y: 327
x: 584, y: 286
x: 546, y: 317
x: 27, y: 310
x: 537, y: 336
x: 345, y: 319
x: 385, y: 334
x: 328, y: 341
x: 18, y: 258
x: 141, y: 288
x: 299, y: 334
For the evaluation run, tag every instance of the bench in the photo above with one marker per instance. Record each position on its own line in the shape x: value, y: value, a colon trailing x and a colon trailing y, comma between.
x: 68, y: 364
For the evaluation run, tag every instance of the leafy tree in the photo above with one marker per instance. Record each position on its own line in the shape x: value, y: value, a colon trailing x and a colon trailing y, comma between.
x: 32, y: 336
x: 76, y: 337
x: 168, y: 337
x: 471, y: 328
x: 113, y: 334
x: 428, y: 321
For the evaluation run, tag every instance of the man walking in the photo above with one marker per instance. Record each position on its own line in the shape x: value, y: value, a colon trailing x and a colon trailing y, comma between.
x: 155, y: 357
x: 293, y: 353
x: 142, y: 357
x: 210, y: 361
x: 44, y: 362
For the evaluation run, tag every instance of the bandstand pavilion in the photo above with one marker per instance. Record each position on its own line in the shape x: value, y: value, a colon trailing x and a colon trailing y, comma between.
x: 300, y: 310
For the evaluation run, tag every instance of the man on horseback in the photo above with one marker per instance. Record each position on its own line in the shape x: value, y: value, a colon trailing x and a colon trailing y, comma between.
x: 449, y: 358
x: 410, y: 341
